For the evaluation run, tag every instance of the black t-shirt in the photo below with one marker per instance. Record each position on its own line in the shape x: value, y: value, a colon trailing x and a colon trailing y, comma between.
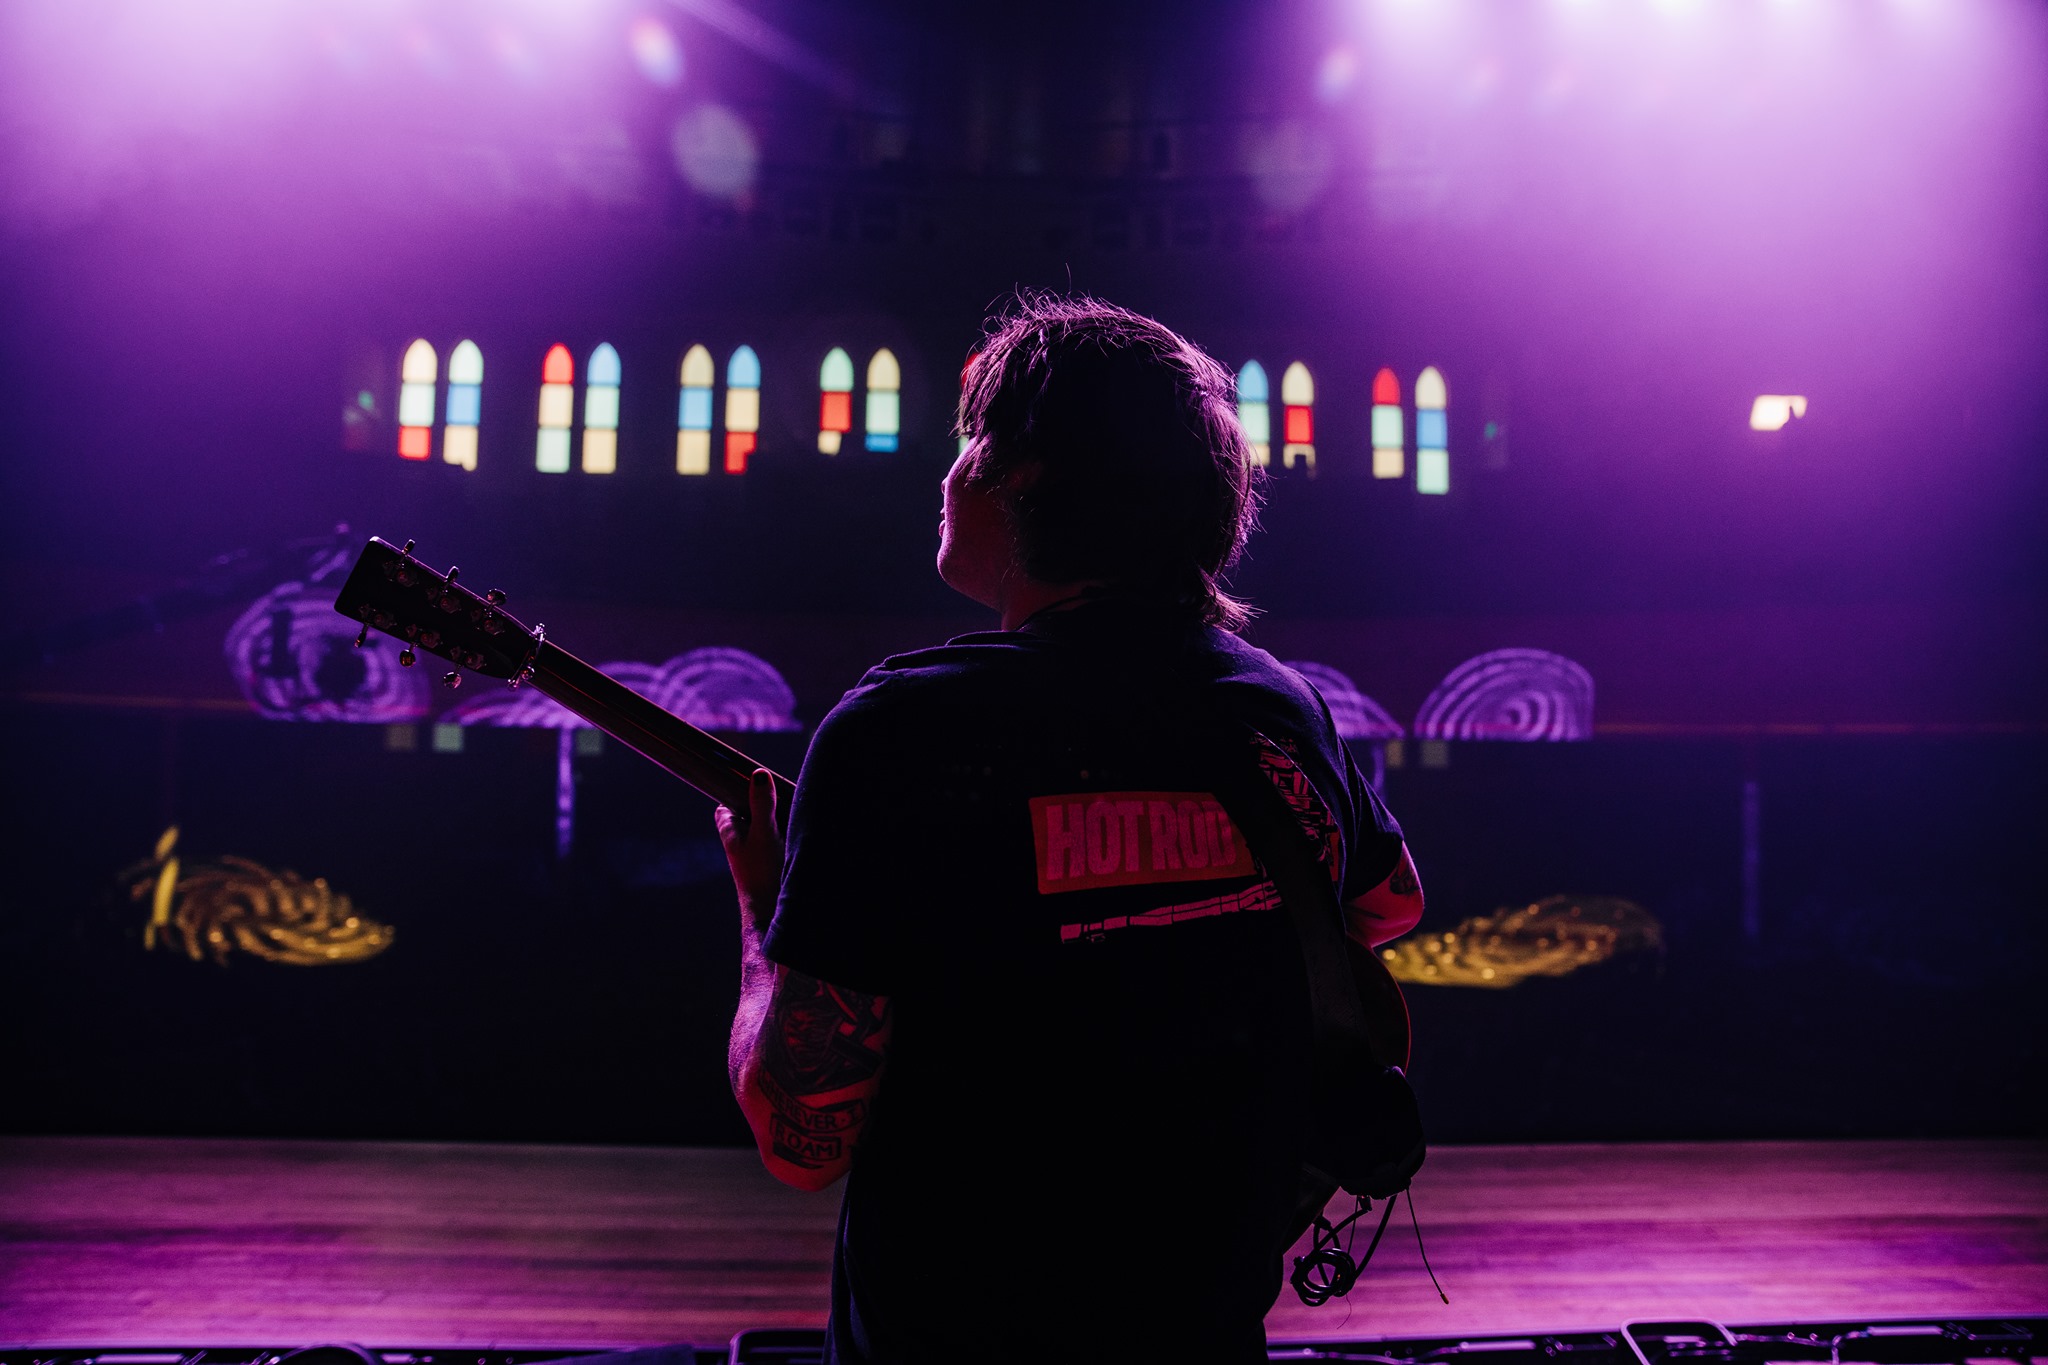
x: 1089, y: 1124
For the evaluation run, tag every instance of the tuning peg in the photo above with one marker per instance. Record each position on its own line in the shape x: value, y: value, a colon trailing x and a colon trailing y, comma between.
x: 451, y: 680
x: 496, y: 597
x: 453, y: 573
x: 363, y: 635
x: 405, y: 657
x: 408, y: 547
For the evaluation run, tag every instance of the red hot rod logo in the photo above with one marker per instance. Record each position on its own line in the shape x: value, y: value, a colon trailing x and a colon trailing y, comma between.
x: 1096, y: 839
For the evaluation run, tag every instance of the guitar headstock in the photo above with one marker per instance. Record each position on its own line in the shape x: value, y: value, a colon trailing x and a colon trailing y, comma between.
x: 390, y: 591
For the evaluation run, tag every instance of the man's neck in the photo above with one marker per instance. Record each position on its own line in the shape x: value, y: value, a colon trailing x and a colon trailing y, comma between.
x: 1027, y: 597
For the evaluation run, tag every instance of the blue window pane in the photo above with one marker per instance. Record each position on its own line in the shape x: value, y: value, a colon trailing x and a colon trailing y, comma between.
x: 1251, y: 383
x: 604, y: 365
x: 743, y: 371
x: 695, y: 413
x: 465, y: 404
x: 881, y: 440
x: 1432, y: 431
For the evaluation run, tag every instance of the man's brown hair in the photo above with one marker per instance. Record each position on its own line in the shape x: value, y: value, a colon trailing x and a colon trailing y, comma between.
x: 1122, y: 436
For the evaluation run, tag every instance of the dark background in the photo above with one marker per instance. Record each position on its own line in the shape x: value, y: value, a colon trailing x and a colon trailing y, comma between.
x: 1609, y: 238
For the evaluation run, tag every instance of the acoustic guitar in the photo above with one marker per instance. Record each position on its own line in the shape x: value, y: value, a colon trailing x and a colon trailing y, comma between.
x: 391, y: 591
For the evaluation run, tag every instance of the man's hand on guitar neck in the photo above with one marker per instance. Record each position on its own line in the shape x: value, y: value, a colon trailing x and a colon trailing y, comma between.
x: 806, y: 1055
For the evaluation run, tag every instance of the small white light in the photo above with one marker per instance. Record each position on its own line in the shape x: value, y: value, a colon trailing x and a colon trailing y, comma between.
x: 1771, y: 411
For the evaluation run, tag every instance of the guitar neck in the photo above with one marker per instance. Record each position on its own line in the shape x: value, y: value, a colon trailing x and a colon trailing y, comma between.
x: 701, y: 759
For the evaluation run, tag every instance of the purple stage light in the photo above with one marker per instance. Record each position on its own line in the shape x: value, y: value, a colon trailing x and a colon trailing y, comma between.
x: 656, y: 52
x: 714, y: 688
x: 715, y: 151
x: 1336, y: 74
x: 1290, y: 164
x: 1510, y: 694
x: 294, y: 658
x: 1357, y: 715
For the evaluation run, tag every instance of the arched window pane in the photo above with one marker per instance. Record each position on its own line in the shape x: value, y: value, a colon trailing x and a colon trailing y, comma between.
x: 1432, y: 433
x: 1297, y: 389
x: 416, y: 375
x: 693, y: 414
x: 698, y: 371
x: 558, y: 368
x: 966, y: 367
x: 742, y: 408
x: 1297, y: 417
x: 1429, y: 390
x: 836, y: 374
x: 884, y: 406
x: 557, y: 410
x: 464, y: 408
x: 1388, y: 436
x: 835, y: 400
x: 420, y: 365
x: 1255, y: 412
x: 466, y: 364
x: 601, y: 412
x: 1251, y: 383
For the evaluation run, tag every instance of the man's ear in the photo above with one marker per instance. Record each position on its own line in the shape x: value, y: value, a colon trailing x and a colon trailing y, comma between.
x: 1023, y: 478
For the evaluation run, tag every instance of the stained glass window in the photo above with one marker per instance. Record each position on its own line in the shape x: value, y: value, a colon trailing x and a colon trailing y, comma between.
x: 601, y: 411
x: 885, y: 401
x: 416, y: 376
x: 835, y: 400
x: 1255, y: 412
x: 1432, y: 434
x: 1388, y: 438
x: 1297, y: 417
x: 465, y: 405
x: 972, y: 356
x: 557, y: 410
x: 742, y: 408
x: 693, y: 416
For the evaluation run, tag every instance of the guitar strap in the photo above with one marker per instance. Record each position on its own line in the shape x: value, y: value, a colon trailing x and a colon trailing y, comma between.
x: 1365, y: 1133
x: 1284, y: 849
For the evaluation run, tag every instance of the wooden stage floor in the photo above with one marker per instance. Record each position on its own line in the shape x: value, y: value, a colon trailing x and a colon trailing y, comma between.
x: 132, y: 1241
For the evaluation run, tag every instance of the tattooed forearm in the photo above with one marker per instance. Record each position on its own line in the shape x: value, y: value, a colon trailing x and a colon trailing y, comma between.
x: 829, y: 1118
x: 821, y: 1038
x: 812, y: 1137
x: 806, y: 1058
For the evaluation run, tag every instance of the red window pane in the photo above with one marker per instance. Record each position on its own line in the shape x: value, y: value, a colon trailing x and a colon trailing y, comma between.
x: 1301, y: 427
x: 1386, y: 388
x: 415, y: 443
x: 738, y: 445
x: 558, y: 368
x: 835, y: 412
